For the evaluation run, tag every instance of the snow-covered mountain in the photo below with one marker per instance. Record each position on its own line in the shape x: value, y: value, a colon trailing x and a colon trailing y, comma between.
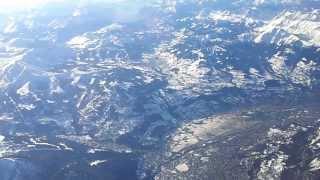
x: 160, y: 90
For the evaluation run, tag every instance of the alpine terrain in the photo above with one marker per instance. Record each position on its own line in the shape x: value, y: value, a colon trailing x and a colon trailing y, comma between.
x: 160, y: 90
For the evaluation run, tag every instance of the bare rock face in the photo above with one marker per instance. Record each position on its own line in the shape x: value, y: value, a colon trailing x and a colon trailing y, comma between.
x: 179, y: 89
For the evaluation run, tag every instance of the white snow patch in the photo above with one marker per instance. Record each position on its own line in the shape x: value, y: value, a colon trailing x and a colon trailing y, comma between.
x: 317, y: 137
x: 50, y: 102
x: 80, y: 42
x: 278, y: 65
x: 302, y: 72
x: 2, y: 138
x: 10, y: 28
x: 57, y: 90
x: 76, y: 13
x: 92, y: 81
x: 290, y: 27
x: 111, y: 27
x: 183, y: 167
x: 75, y: 80
x: 228, y: 16
x: 238, y: 78
x: 6, y: 117
x: 97, y: 162
x: 65, y: 147
x: 24, y: 90
x: 35, y: 142
x: 55, y: 87
x: 203, y: 129
x: 272, y: 169
x: 315, y: 164
x: 28, y: 107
